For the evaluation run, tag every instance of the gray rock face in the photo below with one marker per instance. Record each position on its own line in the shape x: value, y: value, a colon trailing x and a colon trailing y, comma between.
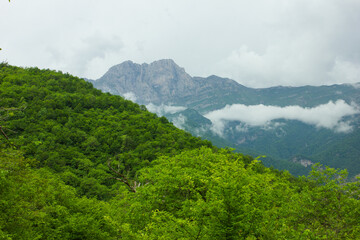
x: 164, y: 82
x: 159, y: 82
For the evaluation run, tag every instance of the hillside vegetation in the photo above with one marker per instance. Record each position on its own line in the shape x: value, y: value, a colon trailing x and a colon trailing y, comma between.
x: 76, y: 163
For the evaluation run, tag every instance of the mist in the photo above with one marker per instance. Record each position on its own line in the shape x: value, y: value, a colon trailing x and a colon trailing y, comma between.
x: 162, y: 109
x: 328, y: 115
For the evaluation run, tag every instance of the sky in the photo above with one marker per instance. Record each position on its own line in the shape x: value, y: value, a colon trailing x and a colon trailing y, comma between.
x: 258, y: 43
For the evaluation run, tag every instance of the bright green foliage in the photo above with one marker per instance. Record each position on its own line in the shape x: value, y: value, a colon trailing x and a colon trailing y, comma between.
x: 58, y: 184
x: 69, y: 126
x: 199, y: 194
x: 202, y: 194
x: 328, y: 206
x: 35, y: 204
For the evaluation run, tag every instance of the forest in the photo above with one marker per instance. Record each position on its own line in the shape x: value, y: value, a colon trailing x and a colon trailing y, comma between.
x: 76, y: 163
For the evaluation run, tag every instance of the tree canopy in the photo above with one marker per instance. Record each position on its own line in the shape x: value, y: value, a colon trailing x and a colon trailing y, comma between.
x: 77, y: 163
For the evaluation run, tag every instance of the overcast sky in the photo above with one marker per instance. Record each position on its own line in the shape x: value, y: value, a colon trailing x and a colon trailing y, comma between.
x: 258, y: 43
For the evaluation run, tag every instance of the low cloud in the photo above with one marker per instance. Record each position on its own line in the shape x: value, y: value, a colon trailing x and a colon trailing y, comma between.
x: 356, y: 85
x: 180, y: 121
x: 130, y: 96
x: 161, y: 110
x: 328, y: 115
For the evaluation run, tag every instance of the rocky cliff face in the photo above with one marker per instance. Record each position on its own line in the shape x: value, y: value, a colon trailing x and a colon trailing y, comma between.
x: 164, y: 82
x: 159, y: 82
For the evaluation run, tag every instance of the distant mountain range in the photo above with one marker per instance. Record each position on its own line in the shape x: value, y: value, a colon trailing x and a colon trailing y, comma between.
x: 294, y: 126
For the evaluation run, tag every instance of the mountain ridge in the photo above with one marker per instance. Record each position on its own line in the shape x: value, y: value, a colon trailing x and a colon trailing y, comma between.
x: 283, y: 139
x: 164, y: 82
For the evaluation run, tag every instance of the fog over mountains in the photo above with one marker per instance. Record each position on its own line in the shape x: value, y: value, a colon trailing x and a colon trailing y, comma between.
x: 328, y: 115
x: 289, y: 124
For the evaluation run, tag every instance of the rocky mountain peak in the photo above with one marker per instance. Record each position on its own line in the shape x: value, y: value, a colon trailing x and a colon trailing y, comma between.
x: 164, y: 82
x: 157, y: 82
x: 124, y: 65
x: 166, y: 65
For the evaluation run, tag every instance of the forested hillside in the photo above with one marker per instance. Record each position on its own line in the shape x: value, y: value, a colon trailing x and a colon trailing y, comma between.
x: 74, y: 129
x: 76, y: 163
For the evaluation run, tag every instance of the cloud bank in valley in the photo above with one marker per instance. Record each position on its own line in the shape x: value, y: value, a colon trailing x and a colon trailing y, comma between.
x: 180, y: 121
x: 161, y: 110
x: 328, y: 115
x: 130, y: 96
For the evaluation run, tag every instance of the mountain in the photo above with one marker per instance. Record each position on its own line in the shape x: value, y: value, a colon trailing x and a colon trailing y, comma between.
x: 283, y: 139
x: 158, y: 82
x: 164, y: 82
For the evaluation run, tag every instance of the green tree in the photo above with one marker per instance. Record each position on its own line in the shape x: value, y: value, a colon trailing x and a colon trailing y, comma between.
x: 35, y: 204
x: 207, y: 194
x: 69, y: 126
x: 202, y: 194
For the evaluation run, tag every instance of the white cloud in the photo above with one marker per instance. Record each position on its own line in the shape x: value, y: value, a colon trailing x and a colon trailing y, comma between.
x: 130, y: 96
x: 218, y: 126
x: 323, y: 116
x: 270, y: 125
x: 356, y: 85
x: 200, y: 131
x: 242, y: 127
x: 180, y: 121
x: 164, y: 109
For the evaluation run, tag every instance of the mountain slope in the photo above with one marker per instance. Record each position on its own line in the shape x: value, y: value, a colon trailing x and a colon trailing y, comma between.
x: 281, y: 139
x: 75, y: 129
x: 76, y: 163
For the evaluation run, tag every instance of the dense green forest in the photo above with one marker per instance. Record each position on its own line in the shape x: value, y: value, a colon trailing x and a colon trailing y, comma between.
x: 76, y: 163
